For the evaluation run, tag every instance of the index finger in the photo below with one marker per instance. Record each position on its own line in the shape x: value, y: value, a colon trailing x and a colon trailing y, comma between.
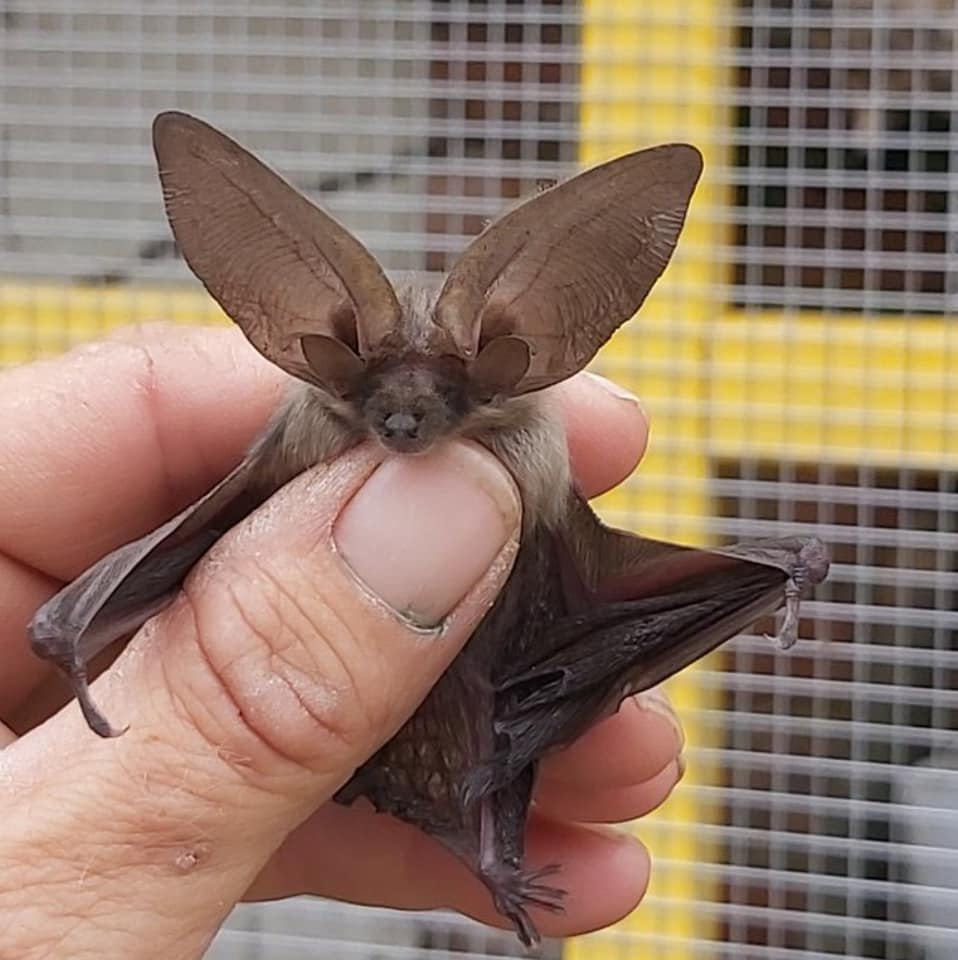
x: 103, y: 443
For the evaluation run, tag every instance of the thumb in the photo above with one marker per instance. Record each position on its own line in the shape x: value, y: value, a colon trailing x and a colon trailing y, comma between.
x: 314, y: 629
x: 299, y: 645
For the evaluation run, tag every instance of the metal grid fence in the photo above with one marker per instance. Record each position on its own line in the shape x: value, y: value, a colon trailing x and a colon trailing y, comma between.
x: 799, y: 361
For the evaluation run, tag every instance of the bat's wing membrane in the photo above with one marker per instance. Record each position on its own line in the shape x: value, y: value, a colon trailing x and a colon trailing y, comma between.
x: 115, y: 596
x: 640, y: 610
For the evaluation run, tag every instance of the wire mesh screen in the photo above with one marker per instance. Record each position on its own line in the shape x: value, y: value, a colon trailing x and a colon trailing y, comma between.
x: 798, y: 360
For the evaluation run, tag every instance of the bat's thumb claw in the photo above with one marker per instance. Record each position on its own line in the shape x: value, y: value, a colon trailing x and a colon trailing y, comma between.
x: 96, y: 721
x: 786, y: 639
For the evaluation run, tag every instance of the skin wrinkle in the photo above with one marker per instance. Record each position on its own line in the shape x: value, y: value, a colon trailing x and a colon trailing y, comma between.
x: 156, y: 826
x: 342, y: 639
x: 187, y: 706
x: 133, y: 834
x: 372, y: 718
x: 250, y: 769
x: 263, y: 641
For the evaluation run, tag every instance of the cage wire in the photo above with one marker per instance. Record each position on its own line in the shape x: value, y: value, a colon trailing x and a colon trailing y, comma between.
x: 798, y: 361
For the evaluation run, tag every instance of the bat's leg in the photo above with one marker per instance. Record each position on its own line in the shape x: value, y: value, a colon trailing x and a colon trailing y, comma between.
x: 501, y: 845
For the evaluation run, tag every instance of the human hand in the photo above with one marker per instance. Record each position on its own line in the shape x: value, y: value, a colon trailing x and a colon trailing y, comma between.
x: 249, y: 708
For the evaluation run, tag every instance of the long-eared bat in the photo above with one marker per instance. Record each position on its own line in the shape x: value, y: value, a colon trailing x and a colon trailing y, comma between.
x: 589, y: 614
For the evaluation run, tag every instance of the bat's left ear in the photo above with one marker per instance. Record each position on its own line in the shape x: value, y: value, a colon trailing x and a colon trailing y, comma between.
x: 564, y: 270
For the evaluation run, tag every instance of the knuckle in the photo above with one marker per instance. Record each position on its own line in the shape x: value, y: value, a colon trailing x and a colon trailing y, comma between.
x: 292, y: 681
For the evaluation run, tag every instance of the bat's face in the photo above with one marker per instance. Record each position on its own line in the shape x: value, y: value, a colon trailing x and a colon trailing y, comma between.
x: 408, y: 403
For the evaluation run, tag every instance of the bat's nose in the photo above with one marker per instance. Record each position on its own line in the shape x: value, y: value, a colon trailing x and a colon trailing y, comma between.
x: 402, y: 426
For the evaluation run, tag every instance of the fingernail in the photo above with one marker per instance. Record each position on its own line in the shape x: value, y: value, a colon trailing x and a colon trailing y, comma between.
x: 656, y: 701
x: 423, y: 530
x: 610, y: 386
x: 681, y: 765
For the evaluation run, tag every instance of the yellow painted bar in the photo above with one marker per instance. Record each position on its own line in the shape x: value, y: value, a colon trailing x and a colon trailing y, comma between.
x: 649, y: 76
x: 41, y: 319
x: 877, y: 391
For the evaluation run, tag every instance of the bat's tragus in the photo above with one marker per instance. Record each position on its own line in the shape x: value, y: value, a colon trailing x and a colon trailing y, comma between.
x: 589, y: 614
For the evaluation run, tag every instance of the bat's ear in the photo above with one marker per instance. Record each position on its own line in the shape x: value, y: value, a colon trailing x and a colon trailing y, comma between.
x: 307, y: 294
x: 565, y: 269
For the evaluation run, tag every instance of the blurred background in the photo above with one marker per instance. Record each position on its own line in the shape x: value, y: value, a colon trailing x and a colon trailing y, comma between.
x: 799, y: 361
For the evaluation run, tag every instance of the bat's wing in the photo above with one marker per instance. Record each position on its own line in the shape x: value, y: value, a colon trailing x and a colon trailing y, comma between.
x: 308, y: 295
x: 115, y: 596
x: 640, y: 610
x: 543, y: 288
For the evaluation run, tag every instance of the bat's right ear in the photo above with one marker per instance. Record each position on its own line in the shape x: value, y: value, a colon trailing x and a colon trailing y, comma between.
x: 308, y: 295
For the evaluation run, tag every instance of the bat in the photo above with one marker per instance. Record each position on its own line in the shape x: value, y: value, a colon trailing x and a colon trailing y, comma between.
x: 589, y: 614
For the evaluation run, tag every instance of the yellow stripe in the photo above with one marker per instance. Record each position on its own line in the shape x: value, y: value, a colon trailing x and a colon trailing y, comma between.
x: 37, y: 320
x: 842, y: 389
x: 650, y: 76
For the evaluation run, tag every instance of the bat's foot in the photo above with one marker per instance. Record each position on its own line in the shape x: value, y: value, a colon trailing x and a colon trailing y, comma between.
x: 513, y: 891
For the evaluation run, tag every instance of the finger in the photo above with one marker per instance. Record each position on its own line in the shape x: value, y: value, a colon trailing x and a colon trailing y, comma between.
x: 7, y: 736
x: 285, y: 588
x: 103, y: 443
x: 607, y: 431
x: 22, y: 590
x: 360, y: 856
x: 626, y: 749
x: 572, y: 802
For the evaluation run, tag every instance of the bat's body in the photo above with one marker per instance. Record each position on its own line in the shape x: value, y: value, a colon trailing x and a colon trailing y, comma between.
x: 589, y: 614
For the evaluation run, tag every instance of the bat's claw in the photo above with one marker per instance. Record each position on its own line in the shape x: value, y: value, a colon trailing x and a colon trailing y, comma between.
x: 58, y: 645
x: 96, y: 721
x: 811, y: 567
x: 513, y: 891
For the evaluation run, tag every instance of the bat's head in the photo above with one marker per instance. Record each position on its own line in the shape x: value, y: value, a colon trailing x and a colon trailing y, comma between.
x: 527, y: 304
x: 409, y: 390
x: 408, y: 403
